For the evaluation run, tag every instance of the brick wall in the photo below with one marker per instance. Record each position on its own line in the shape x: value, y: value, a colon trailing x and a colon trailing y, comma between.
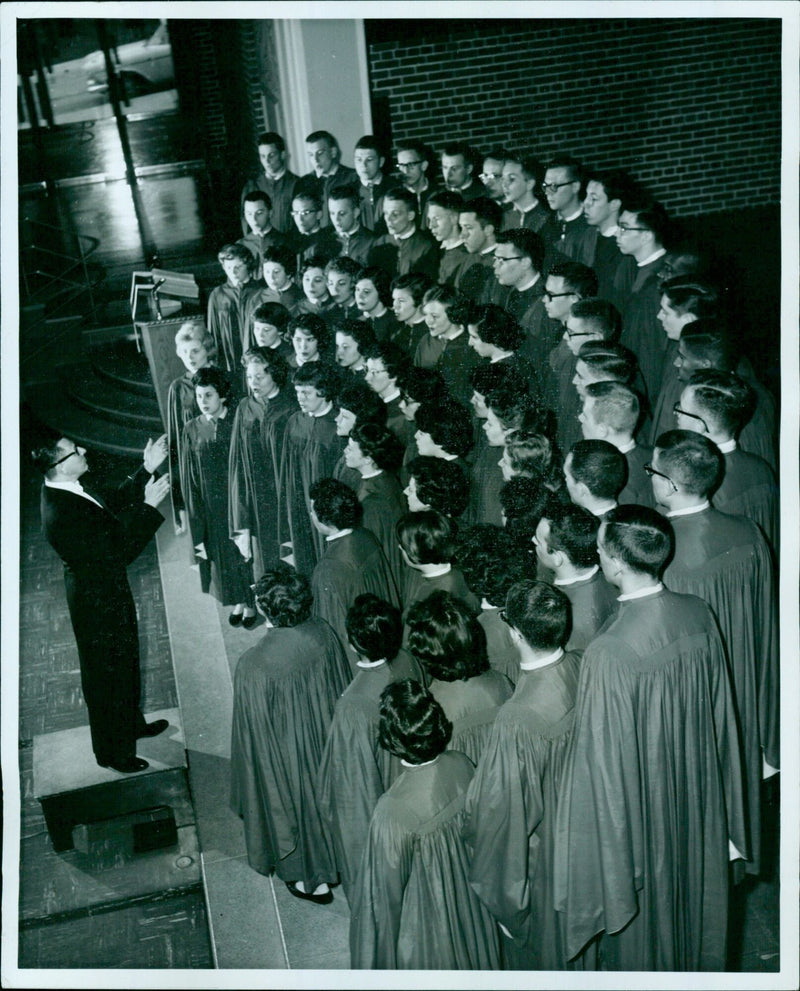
x: 690, y: 107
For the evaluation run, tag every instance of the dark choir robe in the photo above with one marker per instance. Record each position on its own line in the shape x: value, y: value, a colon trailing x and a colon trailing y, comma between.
x: 356, y: 245
x: 350, y: 564
x: 395, y: 418
x: 413, y: 908
x: 669, y: 393
x: 323, y: 186
x: 383, y: 503
x: 471, y: 705
x: 759, y: 435
x: 371, y: 200
x: 205, y: 454
x: 615, y: 271
x: 418, y: 587
x: 181, y: 408
x: 281, y: 194
x: 638, y: 489
x: 398, y: 256
x: 451, y: 262
x: 291, y: 296
x: 565, y: 401
x: 351, y: 477
x: 592, y: 600
x: 333, y: 313
x: 749, y: 488
x: 257, y: 244
x: 541, y: 335
x: 310, y: 452
x: 408, y: 336
x: 284, y: 692
x: 384, y: 326
x: 567, y: 239
x: 476, y: 277
x: 500, y: 648
x: 227, y: 322
x: 96, y: 545
x: 511, y: 812
x: 256, y: 495
x: 305, y: 246
x: 455, y: 359
x: 651, y: 792
x: 485, y: 482
x: 641, y: 331
x: 725, y: 561
x: 355, y: 770
x: 535, y: 219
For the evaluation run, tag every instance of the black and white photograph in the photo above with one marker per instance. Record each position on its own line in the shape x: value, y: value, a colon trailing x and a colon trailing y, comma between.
x: 400, y: 557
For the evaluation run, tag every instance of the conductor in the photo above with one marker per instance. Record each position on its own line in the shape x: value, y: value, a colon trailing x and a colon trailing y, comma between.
x: 97, y: 538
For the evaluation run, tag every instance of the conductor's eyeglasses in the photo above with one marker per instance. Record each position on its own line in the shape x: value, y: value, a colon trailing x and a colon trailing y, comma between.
x: 78, y: 450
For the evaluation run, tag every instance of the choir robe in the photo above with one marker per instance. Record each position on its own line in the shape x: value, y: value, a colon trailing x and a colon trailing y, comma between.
x: 384, y: 326
x: 451, y: 263
x: 471, y: 705
x: 257, y: 244
x: 455, y: 359
x: 350, y: 564
x: 413, y: 908
x: 256, y: 500
x: 355, y: 770
x: 351, y: 477
x: 563, y: 399
x: 725, y: 560
x: 651, y: 792
x: 542, y: 334
x: 641, y: 331
x: 383, y: 503
x: 357, y: 245
x: 418, y: 587
x: 592, y: 601
x: 407, y: 336
x: 668, y: 394
x: 181, y: 408
x: 638, y: 488
x: 485, y: 482
x: 227, y: 322
x: 534, y: 219
x: 476, y: 277
x: 567, y: 240
x: 511, y: 810
x: 284, y: 692
x: 615, y: 271
x: 749, y: 488
x: 205, y: 451
x: 281, y: 194
x: 500, y: 648
x: 398, y: 256
x: 310, y: 452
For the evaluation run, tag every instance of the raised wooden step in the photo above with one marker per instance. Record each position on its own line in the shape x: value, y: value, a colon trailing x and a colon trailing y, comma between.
x: 101, y: 397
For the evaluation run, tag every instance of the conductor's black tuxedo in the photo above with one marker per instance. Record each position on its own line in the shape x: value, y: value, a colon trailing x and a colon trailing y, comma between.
x: 96, y: 545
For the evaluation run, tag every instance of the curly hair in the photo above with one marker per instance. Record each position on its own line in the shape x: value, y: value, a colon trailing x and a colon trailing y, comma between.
x: 274, y: 363
x: 412, y: 724
x: 380, y: 444
x: 216, y: 378
x: 335, y: 504
x: 427, y: 537
x: 447, y: 638
x: 284, y: 595
x: 374, y: 627
x: 491, y: 560
x: 442, y: 485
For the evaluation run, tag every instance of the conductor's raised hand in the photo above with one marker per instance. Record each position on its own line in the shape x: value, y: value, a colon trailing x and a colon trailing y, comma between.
x: 154, y: 453
x: 156, y: 490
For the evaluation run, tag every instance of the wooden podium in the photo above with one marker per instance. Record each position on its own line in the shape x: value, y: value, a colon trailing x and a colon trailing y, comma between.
x: 161, y: 302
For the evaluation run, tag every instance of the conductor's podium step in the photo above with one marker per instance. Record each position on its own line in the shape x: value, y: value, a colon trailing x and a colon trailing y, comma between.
x: 75, y: 791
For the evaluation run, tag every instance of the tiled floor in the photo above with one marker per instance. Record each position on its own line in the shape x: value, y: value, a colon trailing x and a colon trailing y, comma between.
x: 164, y: 920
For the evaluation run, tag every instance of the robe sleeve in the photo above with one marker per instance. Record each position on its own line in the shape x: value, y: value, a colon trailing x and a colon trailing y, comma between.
x: 192, y: 489
x: 239, y: 504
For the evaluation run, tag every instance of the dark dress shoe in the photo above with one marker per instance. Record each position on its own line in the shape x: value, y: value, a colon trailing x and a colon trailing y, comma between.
x: 154, y: 728
x: 325, y: 899
x: 235, y: 619
x: 250, y: 621
x: 127, y: 765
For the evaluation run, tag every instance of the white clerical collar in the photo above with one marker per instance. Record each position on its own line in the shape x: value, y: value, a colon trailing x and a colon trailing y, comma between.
x: 529, y: 285
x: 626, y: 448
x: 424, y: 763
x: 652, y: 258
x: 488, y: 250
x: 392, y: 395
x: 542, y: 661
x: 525, y: 209
x: 584, y: 576
x: 370, y: 664
x: 305, y: 361
x: 450, y: 336
x: 727, y: 446
x: 454, y: 242
x: 323, y: 412
x: 325, y: 175
x: 339, y: 533
x: 220, y: 416
x: 568, y: 220
x: 350, y: 233
x: 437, y: 570
x: 278, y: 175
x: 75, y: 487
x: 373, y: 474
x: 408, y: 233
x: 501, y: 356
x: 611, y: 232
x: 689, y: 511
x: 641, y: 593
x: 371, y: 183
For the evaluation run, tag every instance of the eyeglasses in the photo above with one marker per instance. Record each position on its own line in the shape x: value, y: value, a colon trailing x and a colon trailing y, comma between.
x: 303, y: 213
x: 512, y: 258
x: 77, y: 450
x: 551, y: 187
x: 676, y: 409
x: 577, y: 333
x: 486, y: 176
x: 409, y: 165
x: 652, y: 471
x: 555, y: 295
x: 623, y: 228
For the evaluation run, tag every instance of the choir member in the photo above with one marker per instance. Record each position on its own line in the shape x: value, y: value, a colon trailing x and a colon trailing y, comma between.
x: 595, y: 472
x: 427, y: 540
x: 437, y: 484
x: 229, y: 303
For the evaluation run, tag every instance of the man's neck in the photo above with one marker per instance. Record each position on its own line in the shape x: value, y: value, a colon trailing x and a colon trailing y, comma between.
x: 635, y: 581
x: 599, y: 506
x: 530, y: 280
x: 571, y: 212
x: 568, y: 572
x: 609, y: 224
x: 525, y: 203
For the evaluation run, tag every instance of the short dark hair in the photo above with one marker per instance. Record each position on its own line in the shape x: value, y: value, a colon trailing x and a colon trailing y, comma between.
x: 615, y: 404
x: 600, y: 466
x: 486, y: 378
x: 649, y: 214
x: 487, y: 212
x: 523, y: 501
x: 515, y: 410
x: 457, y: 306
x: 445, y: 636
x: 599, y: 315
x: 274, y: 314
x: 447, y: 199
x: 364, y: 403
x: 371, y: 143
x: 46, y: 452
x: 279, y: 254
x: 529, y: 164
x: 403, y: 195
x: 284, y: 595
x: 321, y: 376
x: 460, y: 148
x: 612, y: 360
x: 395, y: 360
x: 412, y: 144
x: 317, y: 260
x: 415, y: 283
x: 573, y: 531
x: 335, y: 504
x: 528, y: 243
x: 349, y: 193
x: 541, y: 612
x: 314, y: 201
x: 689, y: 294
x: 412, y: 724
x: 274, y: 363
x: 361, y: 331
x: 382, y: 281
x: 709, y: 340
x: 312, y: 325
x: 272, y: 138
x: 639, y: 536
x: 424, y: 385
x: 380, y: 444
x: 216, y: 378
x: 491, y: 561
x: 344, y: 266
x: 374, y: 627
x: 616, y: 183
x: 497, y: 327
x: 441, y: 484
x: 691, y: 460
x: 562, y: 161
x: 322, y: 136
x: 578, y: 278
x: 531, y: 455
x: 258, y: 196
x: 723, y: 398
x: 427, y: 537
x: 449, y: 425
x: 236, y: 251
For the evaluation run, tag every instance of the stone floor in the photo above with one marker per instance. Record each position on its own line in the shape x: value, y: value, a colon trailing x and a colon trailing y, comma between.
x: 198, y: 905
